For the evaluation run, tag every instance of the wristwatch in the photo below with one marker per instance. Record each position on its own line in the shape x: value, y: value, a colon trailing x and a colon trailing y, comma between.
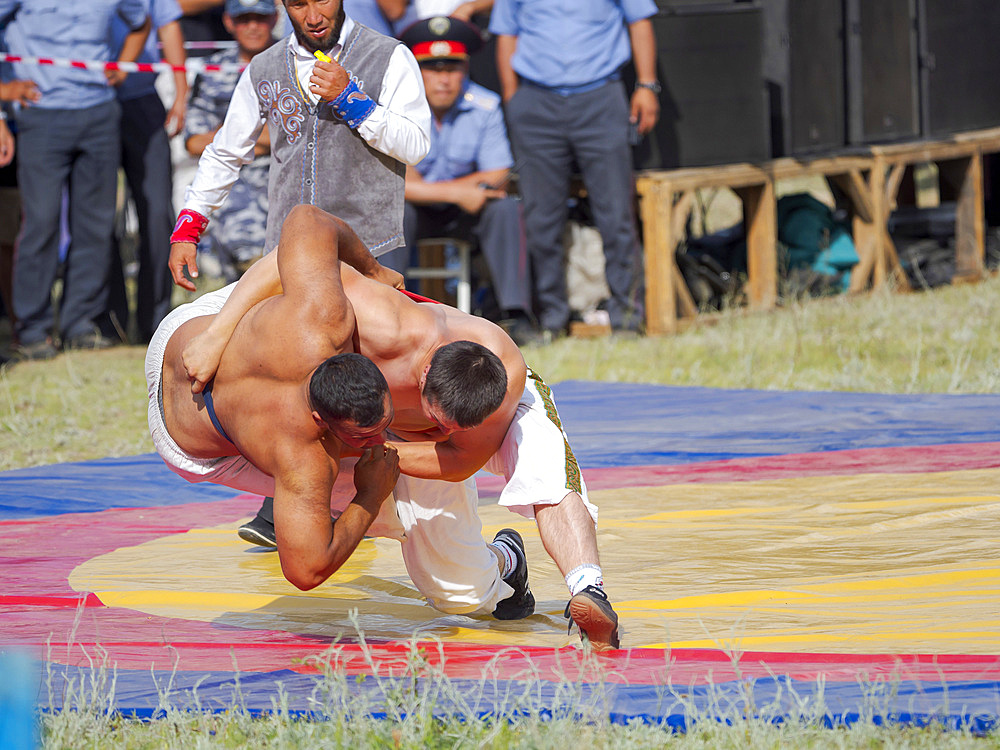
x: 653, y: 86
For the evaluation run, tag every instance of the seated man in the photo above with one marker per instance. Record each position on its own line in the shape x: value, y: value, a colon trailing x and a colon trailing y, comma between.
x: 288, y: 402
x: 458, y: 188
x: 522, y: 440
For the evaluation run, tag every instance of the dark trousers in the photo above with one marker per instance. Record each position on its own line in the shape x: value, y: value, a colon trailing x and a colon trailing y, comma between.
x: 57, y: 147
x: 498, y: 233
x: 145, y: 158
x: 548, y: 133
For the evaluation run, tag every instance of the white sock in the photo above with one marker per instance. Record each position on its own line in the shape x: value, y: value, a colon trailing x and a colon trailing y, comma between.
x: 507, y: 555
x: 582, y: 576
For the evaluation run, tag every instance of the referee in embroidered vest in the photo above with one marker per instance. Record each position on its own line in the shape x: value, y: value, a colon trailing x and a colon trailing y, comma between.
x: 559, y: 63
x: 341, y: 132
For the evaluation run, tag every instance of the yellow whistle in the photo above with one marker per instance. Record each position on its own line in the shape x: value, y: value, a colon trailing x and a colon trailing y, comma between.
x: 320, y: 55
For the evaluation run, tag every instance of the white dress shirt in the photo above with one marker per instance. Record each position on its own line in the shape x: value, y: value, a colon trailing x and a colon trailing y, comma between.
x: 399, y: 125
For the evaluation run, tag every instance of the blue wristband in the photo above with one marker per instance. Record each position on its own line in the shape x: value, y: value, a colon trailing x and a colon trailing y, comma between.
x: 353, y: 105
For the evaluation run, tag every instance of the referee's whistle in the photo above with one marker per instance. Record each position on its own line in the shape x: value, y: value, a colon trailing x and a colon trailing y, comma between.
x: 321, y: 55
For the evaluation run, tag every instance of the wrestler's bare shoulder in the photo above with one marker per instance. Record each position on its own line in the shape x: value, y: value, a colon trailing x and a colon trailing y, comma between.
x: 462, y: 326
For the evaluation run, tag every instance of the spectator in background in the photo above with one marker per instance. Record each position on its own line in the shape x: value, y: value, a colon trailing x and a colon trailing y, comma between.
x: 236, y: 234
x: 10, y: 215
x: 146, y: 128
x: 384, y: 16
x: 24, y: 93
x: 70, y: 136
x: 457, y: 190
x: 559, y: 64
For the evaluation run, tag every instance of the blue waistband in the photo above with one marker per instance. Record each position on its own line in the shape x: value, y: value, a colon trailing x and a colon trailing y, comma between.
x: 570, y: 90
x: 206, y: 394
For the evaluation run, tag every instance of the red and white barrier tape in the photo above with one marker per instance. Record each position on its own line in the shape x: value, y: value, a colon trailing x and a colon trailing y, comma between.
x: 194, y: 64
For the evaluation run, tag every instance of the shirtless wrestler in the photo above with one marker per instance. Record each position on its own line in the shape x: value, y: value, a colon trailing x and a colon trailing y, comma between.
x: 288, y: 402
x: 522, y: 440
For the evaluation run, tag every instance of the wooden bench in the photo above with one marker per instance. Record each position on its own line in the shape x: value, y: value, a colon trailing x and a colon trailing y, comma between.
x: 959, y: 161
x: 870, y: 180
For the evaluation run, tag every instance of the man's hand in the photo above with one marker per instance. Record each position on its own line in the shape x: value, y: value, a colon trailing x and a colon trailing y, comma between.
x: 328, y: 79
x: 387, y: 276
x: 472, y: 198
x: 175, y: 117
x: 183, y: 254
x: 23, y: 91
x: 645, y: 109
x: 375, y: 475
x: 115, y: 77
x: 6, y: 144
x: 201, y: 358
x: 464, y: 12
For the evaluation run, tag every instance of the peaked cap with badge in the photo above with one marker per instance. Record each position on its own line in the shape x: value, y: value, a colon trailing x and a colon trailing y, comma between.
x: 441, y: 39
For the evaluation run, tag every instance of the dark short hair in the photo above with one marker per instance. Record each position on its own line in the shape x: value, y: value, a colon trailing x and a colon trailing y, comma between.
x: 349, y: 387
x: 466, y: 381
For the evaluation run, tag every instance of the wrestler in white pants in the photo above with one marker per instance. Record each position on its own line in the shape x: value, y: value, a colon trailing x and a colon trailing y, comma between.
x: 437, y: 522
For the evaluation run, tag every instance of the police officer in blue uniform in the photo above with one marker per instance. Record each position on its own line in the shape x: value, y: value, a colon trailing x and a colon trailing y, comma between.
x: 559, y: 63
x: 459, y: 189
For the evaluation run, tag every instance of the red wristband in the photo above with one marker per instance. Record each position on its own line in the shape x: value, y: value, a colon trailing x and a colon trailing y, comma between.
x: 190, y: 225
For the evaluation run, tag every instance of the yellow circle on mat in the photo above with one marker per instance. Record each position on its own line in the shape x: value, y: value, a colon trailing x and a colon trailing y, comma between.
x: 871, y: 563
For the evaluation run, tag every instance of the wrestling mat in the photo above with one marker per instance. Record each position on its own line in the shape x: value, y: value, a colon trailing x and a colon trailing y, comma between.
x: 831, y: 551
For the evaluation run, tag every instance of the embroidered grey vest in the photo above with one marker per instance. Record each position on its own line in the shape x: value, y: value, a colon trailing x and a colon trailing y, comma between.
x: 317, y: 159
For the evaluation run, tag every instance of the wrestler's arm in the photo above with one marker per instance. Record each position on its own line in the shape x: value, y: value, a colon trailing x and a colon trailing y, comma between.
x: 336, y: 241
x: 457, y: 458
x: 310, y: 547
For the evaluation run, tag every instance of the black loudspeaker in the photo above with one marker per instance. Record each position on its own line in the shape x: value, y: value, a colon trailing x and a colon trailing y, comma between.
x: 713, y: 105
x: 960, y: 75
x: 883, y: 101
x: 804, y: 69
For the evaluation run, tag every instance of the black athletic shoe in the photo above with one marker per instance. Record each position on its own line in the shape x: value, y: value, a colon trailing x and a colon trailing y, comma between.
x: 591, y: 611
x: 521, y: 603
x: 258, y: 531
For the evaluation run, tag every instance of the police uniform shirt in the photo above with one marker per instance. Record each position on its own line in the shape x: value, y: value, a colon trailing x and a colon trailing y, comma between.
x: 78, y: 30
x: 569, y: 42
x: 471, y: 138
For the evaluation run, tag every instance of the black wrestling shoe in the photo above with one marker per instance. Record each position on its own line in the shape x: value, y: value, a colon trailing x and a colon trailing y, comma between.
x: 260, y: 529
x: 591, y: 611
x: 521, y: 603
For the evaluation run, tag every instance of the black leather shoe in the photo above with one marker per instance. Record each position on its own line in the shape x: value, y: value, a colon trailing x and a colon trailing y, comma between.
x: 521, y: 603
x: 591, y: 611
x: 260, y: 529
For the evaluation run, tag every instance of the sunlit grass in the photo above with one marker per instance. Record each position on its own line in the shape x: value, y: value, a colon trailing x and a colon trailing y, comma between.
x: 410, y: 702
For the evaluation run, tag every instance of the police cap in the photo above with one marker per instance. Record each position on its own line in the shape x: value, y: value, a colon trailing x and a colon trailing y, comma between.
x: 441, y: 38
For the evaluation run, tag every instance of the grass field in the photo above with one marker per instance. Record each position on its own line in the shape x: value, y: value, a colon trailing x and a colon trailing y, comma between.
x: 86, y: 405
